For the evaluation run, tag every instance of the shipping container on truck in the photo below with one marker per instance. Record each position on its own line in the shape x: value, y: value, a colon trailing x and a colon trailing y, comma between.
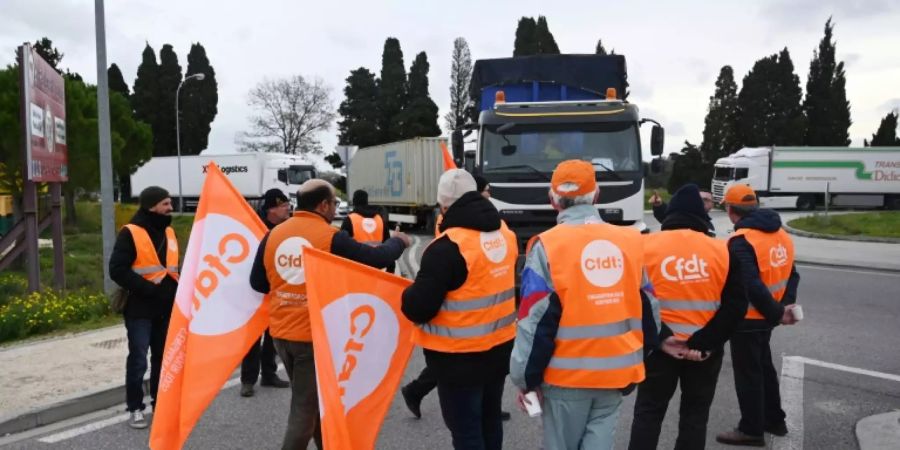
x: 252, y: 174
x: 537, y: 111
x: 401, y: 177
x: 802, y: 177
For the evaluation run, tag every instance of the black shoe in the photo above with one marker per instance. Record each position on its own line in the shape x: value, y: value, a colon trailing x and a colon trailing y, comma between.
x: 505, y: 415
x: 412, y: 402
x: 778, y: 429
x: 247, y: 390
x: 275, y: 382
x: 737, y: 437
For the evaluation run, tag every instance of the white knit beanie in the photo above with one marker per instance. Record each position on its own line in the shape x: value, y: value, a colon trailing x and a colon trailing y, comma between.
x: 452, y: 185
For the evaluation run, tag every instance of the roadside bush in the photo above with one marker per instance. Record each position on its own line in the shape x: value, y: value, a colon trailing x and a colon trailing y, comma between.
x: 12, y: 284
x: 41, y: 312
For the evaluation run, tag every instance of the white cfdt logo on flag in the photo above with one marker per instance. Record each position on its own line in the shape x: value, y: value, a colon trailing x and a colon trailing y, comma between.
x: 369, y: 225
x: 683, y: 269
x: 362, y: 334
x: 494, y: 246
x: 289, y: 260
x: 602, y: 263
x: 778, y: 256
x: 213, y: 292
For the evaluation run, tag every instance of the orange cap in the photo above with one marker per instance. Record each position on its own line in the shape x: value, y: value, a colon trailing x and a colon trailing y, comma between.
x: 741, y: 195
x: 574, y: 178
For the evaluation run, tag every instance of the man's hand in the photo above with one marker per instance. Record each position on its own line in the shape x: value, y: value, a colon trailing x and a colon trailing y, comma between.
x: 696, y: 355
x: 521, y: 400
x: 676, y: 348
x: 401, y: 235
x: 788, y: 317
x: 655, y: 199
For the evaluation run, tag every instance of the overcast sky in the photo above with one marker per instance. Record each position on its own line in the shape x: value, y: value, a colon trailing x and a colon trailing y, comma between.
x: 674, y: 50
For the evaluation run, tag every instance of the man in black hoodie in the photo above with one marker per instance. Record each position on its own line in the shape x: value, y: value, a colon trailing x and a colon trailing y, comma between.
x: 150, y: 297
x: 463, y: 301
x: 766, y: 256
x: 702, y: 301
x: 276, y: 208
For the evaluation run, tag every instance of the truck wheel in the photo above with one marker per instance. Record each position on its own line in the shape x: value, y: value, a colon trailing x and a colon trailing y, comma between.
x: 806, y: 202
x: 892, y: 202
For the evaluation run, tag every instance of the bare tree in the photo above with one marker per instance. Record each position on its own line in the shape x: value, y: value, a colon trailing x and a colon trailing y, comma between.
x: 290, y: 113
x: 460, y: 76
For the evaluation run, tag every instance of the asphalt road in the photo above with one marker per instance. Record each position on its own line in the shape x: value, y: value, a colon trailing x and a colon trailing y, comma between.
x: 851, y: 324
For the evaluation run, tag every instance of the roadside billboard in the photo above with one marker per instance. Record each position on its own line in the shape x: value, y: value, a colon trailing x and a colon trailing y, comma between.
x: 46, y: 152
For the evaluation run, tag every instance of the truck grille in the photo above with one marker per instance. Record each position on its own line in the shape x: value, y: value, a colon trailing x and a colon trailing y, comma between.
x: 718, y: 191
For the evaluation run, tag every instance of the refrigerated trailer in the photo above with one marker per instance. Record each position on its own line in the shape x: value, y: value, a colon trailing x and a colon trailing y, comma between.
x: 803, y: 177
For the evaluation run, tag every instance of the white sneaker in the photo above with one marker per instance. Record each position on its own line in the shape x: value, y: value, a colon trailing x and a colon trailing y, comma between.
x: 137, y: 420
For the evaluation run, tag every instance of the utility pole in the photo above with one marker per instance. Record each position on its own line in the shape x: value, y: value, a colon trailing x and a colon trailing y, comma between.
x: 107, y: 207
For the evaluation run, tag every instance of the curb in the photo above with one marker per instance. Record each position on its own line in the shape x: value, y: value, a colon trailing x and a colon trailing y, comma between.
x: 838, y: 264
x: 68, y: 408
x: 833, y: 237
x: 881, y: 431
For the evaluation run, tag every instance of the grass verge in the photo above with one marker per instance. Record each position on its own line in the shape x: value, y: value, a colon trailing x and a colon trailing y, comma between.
x: 872, y: 224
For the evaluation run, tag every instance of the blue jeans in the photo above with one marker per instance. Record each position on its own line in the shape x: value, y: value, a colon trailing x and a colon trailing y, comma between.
x: 472, y: 414
x: 143, y: 335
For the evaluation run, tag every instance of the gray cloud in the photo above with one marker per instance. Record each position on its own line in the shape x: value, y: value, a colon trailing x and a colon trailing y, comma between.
x: 890, y: 105
x: 811, y: 14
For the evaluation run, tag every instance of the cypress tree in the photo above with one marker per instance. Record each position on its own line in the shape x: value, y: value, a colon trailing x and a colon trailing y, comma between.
x: 145, y: 99
x: 543, y: 36
x: 199, y: 102
x: 769, y: 104
x: 826, y: 105
x: 392, y: 94
x: 526, y: 38
x: 117, y: 81
x: 720, y: 132
x: 359, y: 112
x: 420, y: 118
x: 886, y: 135
x: 169, y: 78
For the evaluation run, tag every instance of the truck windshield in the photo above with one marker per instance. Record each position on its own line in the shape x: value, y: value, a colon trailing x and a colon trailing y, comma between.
x: 299, y: 174
x: 540, y: 147
x: 723, y: 173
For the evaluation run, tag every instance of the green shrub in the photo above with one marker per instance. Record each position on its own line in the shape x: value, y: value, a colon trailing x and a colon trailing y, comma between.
x: 41, y: 312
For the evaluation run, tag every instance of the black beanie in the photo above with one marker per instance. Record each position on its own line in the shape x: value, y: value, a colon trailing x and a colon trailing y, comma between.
x: 360, y: 198
x: 151, y: 196
x: 480, y: 183
x: 272, y: 198
x: 687, y: 201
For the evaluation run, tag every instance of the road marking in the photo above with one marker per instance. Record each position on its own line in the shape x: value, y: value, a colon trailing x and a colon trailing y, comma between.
x: 848, y: 269
x: 792, y: 373
x: 100, y: 424
x: 412, y: 263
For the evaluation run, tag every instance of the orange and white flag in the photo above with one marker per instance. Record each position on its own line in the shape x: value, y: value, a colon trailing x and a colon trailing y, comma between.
x: 216, y: 316
x: 362, y: 343
x: 448, y: 157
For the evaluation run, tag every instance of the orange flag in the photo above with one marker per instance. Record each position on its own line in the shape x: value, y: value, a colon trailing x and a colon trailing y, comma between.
x: 448, y: 158
x: 362, y: 343
x: 216, y: 316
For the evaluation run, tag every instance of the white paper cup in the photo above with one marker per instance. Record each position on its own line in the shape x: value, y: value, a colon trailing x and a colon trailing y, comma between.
x: 532, y: 405
x: 797, y: 312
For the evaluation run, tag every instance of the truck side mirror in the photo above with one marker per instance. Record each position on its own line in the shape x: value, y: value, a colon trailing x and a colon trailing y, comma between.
x: 469, y: 163
x: 456, y: 144
x: 282, y: 175
x: 657, y: 140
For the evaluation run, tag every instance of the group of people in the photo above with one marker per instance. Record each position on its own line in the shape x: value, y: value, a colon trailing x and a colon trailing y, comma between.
x: 602, y: 310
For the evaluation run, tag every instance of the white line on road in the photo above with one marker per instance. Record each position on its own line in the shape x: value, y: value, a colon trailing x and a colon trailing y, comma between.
x: 848, y: 269
x: 792, y: 399
x: 411, y: 261
x: 856, y: 370
x: 100, y: 424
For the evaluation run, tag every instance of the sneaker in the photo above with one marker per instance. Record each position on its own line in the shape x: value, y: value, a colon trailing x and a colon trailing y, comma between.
x: 412, y: 402
x: 137, y: 420
x: 737, y: 437
x: 247, y: 390
x: 275, y: 382
x: 778, y: 429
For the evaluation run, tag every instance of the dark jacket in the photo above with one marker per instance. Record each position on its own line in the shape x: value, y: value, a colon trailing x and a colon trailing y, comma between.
x: 341, y: 245
x: 367, y: 211
x: 442, y: 270
x: 733, y: 300
x: 145, y: 299
x: 758, y: 294
x: 659, y: 213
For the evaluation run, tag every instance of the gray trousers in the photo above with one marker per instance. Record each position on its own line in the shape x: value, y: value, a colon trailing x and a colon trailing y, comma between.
x: 580, y: 419
x: 303, y: 420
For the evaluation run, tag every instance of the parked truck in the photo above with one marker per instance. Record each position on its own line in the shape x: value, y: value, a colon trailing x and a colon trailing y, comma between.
x: 803, y: 177
x: 537, y: 111
x: 251, y: 173
x: 401, y: 177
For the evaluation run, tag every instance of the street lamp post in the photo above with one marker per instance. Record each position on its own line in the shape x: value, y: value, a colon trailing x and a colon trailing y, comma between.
x: 198, y: 77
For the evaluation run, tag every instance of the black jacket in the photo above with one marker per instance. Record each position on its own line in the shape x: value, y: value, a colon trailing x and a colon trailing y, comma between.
x: 659, y: 213
x: 341, y: 245
x: 733, y: 300
x: 758, y: 294
x: 367, y: 211
x: 145, y: 299
x: 443, y: 269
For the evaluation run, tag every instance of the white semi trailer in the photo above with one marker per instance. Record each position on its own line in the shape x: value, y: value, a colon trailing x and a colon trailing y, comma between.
x: 802, y: 177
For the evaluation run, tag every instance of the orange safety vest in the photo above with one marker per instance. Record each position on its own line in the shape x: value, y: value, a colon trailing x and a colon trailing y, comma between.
x: 147, y: 263
x: 283, y: 260
x: 596, y: 270
x: 367, y: 230
x: 775, y: 257
x: 688, y: 271
x: 481, y: 313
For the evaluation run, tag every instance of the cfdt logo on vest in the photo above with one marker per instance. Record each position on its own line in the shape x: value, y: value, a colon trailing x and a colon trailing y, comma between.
x: 778, y: 256
x: 369, y: 225
x: 694, y: 268
x: 602, y: 263
x: 289, y: 260
x: 493, y: 244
